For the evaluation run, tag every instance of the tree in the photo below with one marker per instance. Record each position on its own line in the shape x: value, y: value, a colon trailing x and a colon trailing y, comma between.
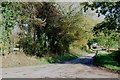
x: 111, y: 11
x: 9, y: 16
x: 77, y: 25
x: 46, y: 29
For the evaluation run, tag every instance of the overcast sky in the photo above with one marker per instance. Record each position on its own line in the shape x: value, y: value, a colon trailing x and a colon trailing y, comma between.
x: 89, y: 12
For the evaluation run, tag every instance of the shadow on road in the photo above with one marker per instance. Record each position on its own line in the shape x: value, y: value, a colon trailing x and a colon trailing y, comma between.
x: 86, y: 60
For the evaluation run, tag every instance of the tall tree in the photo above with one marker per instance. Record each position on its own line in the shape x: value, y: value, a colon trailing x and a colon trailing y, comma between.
x: 111, y: 11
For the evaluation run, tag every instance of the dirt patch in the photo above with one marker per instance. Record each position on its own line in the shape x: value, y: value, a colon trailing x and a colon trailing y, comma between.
x: 19, y: 59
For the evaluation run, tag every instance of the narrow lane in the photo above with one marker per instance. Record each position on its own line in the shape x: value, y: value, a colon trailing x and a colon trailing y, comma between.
x: 77, y: 68
x: 87, y: 60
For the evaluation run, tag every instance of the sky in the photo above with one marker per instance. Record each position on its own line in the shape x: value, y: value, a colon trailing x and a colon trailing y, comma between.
x: 89, y: 12
x: 94, y: 16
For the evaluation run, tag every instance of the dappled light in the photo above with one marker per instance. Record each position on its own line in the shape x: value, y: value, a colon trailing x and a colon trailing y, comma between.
x: 52, y: 33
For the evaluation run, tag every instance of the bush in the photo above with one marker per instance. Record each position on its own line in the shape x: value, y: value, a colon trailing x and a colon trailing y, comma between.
x: 109, y: 61
x: 63, y: 58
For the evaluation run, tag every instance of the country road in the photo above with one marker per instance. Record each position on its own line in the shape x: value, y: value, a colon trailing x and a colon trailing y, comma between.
x: 77, y: 68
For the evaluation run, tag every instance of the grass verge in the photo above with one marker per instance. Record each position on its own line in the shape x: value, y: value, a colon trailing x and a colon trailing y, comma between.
x: 109, y: 61
x: 63, y: 58
x: 66, y: 57
x: 20, y: 59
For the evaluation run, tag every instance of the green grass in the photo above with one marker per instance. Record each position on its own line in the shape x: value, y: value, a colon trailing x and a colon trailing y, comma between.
x: 110, y: 61
x: 63, y: 58
x: 66, y: 57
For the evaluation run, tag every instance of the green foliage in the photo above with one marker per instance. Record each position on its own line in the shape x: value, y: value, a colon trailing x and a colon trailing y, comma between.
x: 47, y: 30
x: 9, y: 16
x: 59, y: 32
x: 115, y: 55
x: 30, y: 47
x: 110, y: 61
x: 110, y: 10
x: 105, y: 35
x: 63, y: 58
x: 78, y: 27
x: 114, y: 68
x: 106, y: 32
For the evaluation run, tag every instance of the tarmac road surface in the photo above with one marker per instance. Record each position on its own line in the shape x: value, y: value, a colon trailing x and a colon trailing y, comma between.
x: 77, y: 68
